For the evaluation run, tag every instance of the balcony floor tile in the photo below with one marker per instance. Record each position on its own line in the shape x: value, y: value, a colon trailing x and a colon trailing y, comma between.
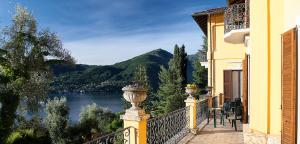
x: 219, y: 135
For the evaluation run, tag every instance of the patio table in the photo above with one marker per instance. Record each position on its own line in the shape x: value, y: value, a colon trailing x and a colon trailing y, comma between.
x: 214, y: 115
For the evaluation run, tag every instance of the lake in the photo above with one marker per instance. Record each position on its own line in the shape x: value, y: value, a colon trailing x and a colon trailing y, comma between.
x: 76, y: 101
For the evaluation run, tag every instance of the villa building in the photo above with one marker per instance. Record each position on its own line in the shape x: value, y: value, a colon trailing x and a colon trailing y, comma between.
x: 252, y: 62
x: 252, y: 55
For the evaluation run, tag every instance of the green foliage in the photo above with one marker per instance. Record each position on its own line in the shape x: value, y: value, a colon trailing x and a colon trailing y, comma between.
x: 141, y: 77
x: 24, y: 70
x: 200, y: 76
x: 26, y: 136
x: 112, y: 77
x: 13, y: 137
x: 9, y: 102
x: 200, y: 73
x: 57, y: 119
x: 205, y: 44
x: 172, y: 82
x: 179, y: 65
x: 95, y: 120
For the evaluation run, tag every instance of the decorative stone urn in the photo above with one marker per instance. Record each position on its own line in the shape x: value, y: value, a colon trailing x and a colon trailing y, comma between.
x: 135, y: 94
x: 191, y: 90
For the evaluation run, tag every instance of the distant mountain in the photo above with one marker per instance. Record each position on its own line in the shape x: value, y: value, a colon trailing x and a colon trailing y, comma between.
x: 113, y: 77
x: 108, y: 78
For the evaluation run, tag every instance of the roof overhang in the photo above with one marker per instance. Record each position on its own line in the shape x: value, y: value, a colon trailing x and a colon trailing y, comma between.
x: 201, y: 18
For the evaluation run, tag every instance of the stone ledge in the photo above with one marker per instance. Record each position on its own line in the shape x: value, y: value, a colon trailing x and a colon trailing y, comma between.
x: 135, y: 115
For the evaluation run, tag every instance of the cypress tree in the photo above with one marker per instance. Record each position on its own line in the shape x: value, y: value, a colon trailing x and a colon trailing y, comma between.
x: 200, y: 76
x: 183, y: 65
x: 172, y: 82
x: 141, y: 77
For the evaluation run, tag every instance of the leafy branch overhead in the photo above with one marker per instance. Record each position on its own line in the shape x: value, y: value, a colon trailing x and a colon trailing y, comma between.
x: 25, y: 56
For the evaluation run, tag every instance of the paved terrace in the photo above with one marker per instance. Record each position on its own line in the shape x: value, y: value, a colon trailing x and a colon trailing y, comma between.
x: 219, y: 135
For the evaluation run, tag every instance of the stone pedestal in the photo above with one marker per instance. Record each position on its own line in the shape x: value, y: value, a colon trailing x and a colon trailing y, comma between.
x: 138, y: 120
x: 135, y: 117
x: 191, y: 102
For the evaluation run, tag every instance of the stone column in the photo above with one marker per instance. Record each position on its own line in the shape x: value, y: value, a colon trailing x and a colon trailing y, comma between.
x: 191, y: 102
x: 135, y: 117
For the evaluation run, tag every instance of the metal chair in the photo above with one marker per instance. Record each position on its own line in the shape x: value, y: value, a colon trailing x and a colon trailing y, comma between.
x: 225, y: 112
x: 236, y: 116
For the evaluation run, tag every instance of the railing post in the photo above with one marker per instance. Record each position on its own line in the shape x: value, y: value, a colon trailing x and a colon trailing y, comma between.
x: 135, y: 116
x: 191, y: 103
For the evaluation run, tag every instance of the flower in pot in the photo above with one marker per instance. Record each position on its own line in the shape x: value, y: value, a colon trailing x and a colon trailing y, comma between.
x: 191, y: 89
x: 135, y: 94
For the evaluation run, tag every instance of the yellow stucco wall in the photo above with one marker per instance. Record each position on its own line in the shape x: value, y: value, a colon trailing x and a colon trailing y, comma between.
x: 259, y: 65
x: 225, y: 55
x: 268, y: 20
x: 266, y: 26
x: 276, y: 29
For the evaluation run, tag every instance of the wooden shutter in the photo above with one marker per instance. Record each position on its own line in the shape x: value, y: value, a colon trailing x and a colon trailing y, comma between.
x: 288, y: 86
x: 245, y: 90
x: 227, y: 85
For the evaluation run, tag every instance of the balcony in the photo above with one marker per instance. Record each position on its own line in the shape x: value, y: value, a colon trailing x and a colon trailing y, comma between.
x: 236, y: 22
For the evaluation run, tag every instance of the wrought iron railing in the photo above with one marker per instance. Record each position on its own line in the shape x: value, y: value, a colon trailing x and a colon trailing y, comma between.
x: 170, y: 128
x: 124, y: 136
x: 202, y: 111
x: 236, y: 17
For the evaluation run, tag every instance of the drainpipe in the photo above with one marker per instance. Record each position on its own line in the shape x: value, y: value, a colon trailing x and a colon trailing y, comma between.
x: 211, y: 53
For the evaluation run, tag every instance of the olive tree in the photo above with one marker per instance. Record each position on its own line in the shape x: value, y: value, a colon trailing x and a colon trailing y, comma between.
x: 95, y: 119
x: 57, y: 119
x: 25, y: 56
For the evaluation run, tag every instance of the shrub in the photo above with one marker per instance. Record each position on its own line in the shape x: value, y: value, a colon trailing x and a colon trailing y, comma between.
x: 57, y: 119
x: 95, y: 120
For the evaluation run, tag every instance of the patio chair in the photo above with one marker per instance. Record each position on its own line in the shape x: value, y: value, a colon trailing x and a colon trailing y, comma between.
x: 238, y: 102
x: 233, y: 106
x: 236, y: 116
x: 225, y: 112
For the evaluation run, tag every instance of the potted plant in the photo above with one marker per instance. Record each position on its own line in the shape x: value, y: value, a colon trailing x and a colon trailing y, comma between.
x: 191, y: 89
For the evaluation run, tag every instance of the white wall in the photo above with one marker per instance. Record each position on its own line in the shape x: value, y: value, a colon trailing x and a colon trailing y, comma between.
x: 292, y: 13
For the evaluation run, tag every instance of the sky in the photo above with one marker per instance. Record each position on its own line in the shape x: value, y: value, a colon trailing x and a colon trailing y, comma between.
x: 103, y: 32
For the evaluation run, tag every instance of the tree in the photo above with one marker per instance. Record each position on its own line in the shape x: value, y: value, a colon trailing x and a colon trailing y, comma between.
x: 25, y: 56
x: 57, y: 119
x: 95, y: 120
x: 179, y: 64
x: 205, y: 44
x: 141, y: 77
x: 200, y: 76
x: 200, y: 73
x: 172, y: 82
x: 183, y: 65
